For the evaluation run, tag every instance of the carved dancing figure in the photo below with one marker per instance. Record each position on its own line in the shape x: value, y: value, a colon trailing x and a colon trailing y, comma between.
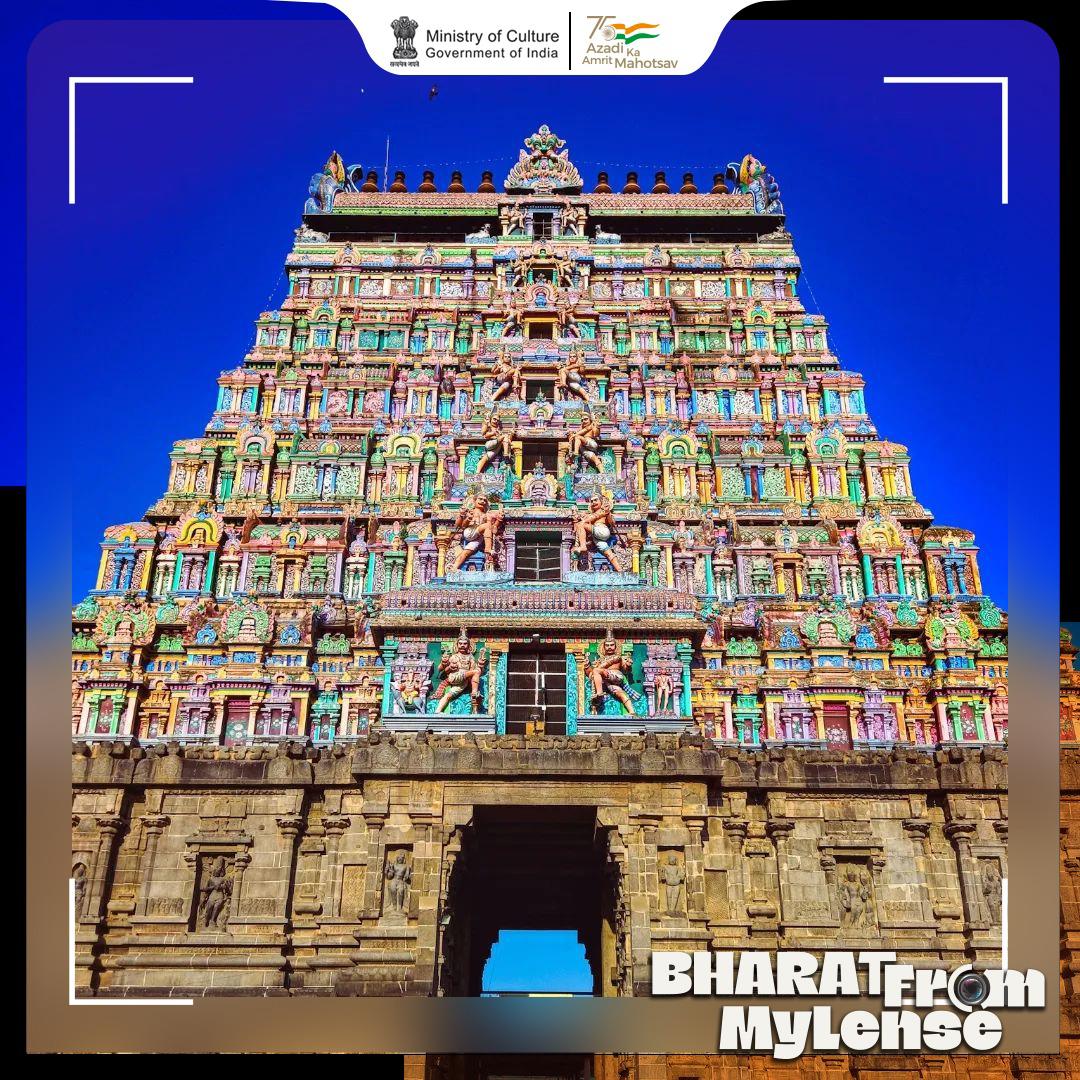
x: 461, y: 671
x: 497, y: 441
x: 507, y: 377
x: 586, y: 441
x: 399, y: 876
x: 215, y: 895
x: 607, y: 674
x: 480, y: 526
x: 595, y: 527
x: 570, y: 378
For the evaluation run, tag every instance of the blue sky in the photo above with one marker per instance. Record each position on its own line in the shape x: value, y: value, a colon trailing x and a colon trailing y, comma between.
x: 187, y: 197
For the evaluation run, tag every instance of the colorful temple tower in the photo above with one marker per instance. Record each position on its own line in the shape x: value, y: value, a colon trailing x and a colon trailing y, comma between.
x: 539, y: 538
x: 540, y: 460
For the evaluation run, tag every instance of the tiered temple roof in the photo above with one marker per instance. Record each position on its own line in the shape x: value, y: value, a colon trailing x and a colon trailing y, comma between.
x: 541, y: 459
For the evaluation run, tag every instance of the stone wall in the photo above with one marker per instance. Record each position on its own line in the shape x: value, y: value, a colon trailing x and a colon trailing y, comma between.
x: 285, y: 870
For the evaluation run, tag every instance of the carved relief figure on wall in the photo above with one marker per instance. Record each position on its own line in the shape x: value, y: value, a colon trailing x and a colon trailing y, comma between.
x: 607, y: 674
x: 507, y: 377
x: 991, y: 888
x: 856, y: 911
x: 480, y: 526
x: 585, y: 442
x: 665, y: 687
x: 570, y: 377
x: 497, y: 441
x: 78, y: 872
x: 461, y: 671
x: 673, y: 875
x: 215, y: 893
x: 398, y: 878
x: 594, y: 529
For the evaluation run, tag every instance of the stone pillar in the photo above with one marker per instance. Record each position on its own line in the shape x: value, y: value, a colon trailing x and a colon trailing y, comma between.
x: 960, y: 835
x: 330, y: 879
x: 290, y: 826
x: 109, y: 829
x: 153, y: 826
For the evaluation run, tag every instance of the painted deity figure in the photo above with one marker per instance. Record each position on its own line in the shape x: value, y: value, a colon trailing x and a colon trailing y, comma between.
x: 461, y: 672
x: 568, y: 325
x: 515, y: 221
x: 519, y: 271
x: 399, y: 878
x: 498, y: 441
x: 674, y: 875
x: 512, y: 324
x: 480, y: 526
x: 325, y: 185
x: 573, y: 221
x: 215, y: 896
x: 585, y: 442
x: 665, y: 688
x: 607, y: 675
x: 595, y: 528
x: 507, y: 377
x: 570, y: 378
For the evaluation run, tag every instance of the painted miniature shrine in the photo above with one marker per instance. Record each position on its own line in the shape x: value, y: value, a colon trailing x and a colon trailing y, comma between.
x: 540, y: 459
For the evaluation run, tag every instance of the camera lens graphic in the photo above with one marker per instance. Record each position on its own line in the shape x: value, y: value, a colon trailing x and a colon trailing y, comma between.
x: 970, y: 988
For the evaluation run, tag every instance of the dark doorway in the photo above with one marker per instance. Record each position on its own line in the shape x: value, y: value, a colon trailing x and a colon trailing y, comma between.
x: 541, y: 331
x: 535, y: 691
x: 528, y: 868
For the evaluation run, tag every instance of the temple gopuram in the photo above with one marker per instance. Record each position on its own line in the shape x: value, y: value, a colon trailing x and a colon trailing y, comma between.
x: 540, y: 534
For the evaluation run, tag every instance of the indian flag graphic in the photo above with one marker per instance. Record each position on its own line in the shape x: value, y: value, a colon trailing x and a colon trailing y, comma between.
x: 629, y: 34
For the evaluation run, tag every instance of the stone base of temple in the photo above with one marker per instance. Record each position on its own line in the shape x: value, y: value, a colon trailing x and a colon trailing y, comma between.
x: 388, y: 865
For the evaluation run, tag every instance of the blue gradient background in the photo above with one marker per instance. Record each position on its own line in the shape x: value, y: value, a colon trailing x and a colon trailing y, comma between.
x: 187, y: 196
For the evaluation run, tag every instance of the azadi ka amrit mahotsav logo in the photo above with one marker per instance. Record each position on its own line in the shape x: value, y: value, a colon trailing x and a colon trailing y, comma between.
x: 628, y: 34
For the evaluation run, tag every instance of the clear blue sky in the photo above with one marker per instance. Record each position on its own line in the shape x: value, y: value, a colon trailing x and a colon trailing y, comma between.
x: 188, y: 196
x: 146, y: 289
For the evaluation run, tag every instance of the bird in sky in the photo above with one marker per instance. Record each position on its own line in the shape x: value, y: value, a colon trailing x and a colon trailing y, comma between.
x: 433, y: 93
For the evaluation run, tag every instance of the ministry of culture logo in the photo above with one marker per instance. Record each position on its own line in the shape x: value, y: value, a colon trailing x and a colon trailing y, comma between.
x: 617, y: 31
x: 404, y: 30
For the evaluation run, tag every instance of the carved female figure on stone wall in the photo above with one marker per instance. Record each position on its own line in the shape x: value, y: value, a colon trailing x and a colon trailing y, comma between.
x: 215, y: 896
x: 399, y: 878
x: 674, y: 876
x: 78, y: 872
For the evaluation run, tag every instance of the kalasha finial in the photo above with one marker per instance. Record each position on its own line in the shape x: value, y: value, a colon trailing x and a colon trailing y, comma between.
x: 688, y: 185
x: 631, y: 186
x: 427, y: 184
x: 602, y: 185
x: 660, y: 186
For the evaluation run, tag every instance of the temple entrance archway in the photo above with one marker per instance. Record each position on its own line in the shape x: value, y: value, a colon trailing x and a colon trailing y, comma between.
x: 527, y: 868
